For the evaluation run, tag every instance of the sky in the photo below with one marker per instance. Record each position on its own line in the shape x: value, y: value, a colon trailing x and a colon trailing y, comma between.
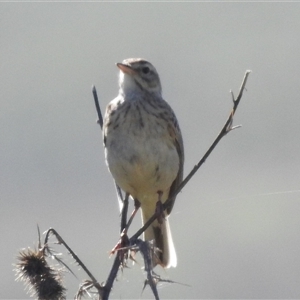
x: 236, y: 224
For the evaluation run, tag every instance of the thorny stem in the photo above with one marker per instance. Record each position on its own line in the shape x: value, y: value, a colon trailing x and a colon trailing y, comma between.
x: 76, y: 258
x: 111, y: 277
x: 104, y: 290
x: 226, y: 128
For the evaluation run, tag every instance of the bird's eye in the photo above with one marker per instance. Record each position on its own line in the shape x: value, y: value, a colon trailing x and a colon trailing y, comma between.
x: 145, y: 70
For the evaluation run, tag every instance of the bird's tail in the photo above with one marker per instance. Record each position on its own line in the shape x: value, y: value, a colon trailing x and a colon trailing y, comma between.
x: 161, y: 234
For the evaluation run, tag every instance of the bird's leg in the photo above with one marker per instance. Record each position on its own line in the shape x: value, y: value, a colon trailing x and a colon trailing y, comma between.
x: 137, y: 205
x: 122, y: 248
x: 159, y: 208
x: 123, y: 243
x: 124, y: 212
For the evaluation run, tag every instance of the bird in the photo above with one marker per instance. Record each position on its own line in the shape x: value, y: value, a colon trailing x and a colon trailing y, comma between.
x: 144, y: 149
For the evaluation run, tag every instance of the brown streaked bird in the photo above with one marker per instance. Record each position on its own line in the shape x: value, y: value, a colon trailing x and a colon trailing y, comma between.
x: 144, y: 148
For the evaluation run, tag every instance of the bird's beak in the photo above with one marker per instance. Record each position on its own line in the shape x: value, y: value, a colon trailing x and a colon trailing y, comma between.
x: 125, y: 69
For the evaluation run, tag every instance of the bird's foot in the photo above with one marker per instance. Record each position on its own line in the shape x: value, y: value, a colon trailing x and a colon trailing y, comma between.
x: 122, y: 248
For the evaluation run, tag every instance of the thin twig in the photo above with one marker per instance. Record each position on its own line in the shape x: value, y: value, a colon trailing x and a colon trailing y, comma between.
x: 145, y: 248
x: 111, y: 277
x: 226, y: 128
x: 123, y: 203
x: 39, y: 237
x: 75, y: 257
x: 100, y: 118
x: 100, y: 122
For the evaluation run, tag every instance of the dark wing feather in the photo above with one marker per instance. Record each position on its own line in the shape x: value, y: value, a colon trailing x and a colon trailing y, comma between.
x: 178, y: 142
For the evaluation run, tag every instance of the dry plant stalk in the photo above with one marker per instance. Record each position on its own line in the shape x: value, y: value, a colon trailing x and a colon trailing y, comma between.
x: 45, y: 282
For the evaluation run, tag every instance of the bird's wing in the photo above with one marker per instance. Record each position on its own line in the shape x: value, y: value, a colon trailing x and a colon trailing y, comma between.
x: 175, y: 133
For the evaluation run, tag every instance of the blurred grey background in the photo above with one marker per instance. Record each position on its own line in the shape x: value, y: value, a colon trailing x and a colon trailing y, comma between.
x: 236, y: 224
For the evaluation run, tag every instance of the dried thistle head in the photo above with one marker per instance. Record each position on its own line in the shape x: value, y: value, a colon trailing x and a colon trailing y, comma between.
x: 42, y: 280
x: 31, y: 264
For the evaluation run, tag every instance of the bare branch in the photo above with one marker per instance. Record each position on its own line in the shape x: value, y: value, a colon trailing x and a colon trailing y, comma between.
x: 126, y: 247
x: 147, y: 251
x: 75, y: 257
x: 100, y: 118
x: 111, y: 278
x: 226, y: 128
x: 100, y: 122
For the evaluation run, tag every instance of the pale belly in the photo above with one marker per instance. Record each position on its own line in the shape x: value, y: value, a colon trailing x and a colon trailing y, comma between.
x: 143, y: 166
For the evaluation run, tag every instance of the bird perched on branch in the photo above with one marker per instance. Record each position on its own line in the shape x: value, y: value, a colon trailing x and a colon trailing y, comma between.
x: 144, y: 149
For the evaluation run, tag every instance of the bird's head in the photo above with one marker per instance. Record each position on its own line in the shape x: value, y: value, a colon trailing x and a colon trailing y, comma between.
x: 138, y: 73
